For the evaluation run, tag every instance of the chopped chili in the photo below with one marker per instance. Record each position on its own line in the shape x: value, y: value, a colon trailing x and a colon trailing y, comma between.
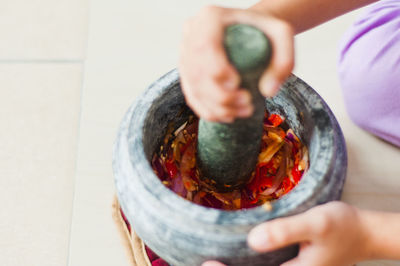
x: 277, y: 171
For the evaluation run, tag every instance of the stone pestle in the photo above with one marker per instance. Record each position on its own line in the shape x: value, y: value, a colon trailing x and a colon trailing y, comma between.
x: 227, y: 153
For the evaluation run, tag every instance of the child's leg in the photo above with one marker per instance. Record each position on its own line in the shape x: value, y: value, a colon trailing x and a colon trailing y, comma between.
x: 369, y: 70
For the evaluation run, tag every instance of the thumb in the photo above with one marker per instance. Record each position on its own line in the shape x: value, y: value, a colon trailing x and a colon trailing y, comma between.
x: 280, y: 233
x: 282, y: 60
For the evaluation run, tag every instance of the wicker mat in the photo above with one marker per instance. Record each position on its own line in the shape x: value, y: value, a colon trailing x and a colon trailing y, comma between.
x: 138, y: 253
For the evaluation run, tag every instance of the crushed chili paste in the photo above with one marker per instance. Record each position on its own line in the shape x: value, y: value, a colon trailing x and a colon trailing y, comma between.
x: 282, y: 161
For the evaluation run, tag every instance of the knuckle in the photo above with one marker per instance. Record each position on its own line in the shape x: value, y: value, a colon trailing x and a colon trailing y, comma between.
x: 224, y: 113
x: 324, y: 224
x: 222, y: 98
x: 220, y: 71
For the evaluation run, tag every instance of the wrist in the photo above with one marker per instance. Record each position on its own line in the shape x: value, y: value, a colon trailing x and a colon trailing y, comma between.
x: 367, y: 249
x: 381, y: 231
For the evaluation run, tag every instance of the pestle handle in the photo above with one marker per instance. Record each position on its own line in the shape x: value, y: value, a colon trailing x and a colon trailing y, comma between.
x: 227, y: 152
x: 248, y: 49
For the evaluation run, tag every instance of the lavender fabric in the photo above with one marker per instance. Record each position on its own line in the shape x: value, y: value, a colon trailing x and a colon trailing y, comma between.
x: 369, y: 70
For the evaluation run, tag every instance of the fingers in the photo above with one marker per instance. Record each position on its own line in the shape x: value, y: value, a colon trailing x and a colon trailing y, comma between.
x: 217, y: 103
x: 212, y: 263
x: 209, y: 82
x: 282, y: 60
x: 281, y: 35
x: 280, y: 233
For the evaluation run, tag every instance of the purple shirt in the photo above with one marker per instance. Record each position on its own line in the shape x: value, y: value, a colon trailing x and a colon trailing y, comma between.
x: 369, y: 70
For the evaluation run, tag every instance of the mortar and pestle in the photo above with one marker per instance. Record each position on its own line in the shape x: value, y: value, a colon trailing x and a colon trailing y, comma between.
x: 184, y: 233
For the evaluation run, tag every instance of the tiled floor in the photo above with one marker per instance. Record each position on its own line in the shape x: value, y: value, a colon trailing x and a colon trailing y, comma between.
x: 39, y: 111
x: 69, y: 71
x: 42, y: 50
x: 43, y: 30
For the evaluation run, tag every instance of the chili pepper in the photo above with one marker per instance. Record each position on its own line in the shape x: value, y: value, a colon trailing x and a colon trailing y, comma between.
x: 275, y: 120
x: 245, y: 199
x: 287, y: 185
x: 175, y: 165
x: 212, y: 202
x: 263, y: 178
x: 171, y: 168
x: 188, y: 185
x: 296, y: 173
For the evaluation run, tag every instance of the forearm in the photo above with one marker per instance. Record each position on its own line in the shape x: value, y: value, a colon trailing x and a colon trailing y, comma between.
x: 305, y: 14
x: 382, y: 232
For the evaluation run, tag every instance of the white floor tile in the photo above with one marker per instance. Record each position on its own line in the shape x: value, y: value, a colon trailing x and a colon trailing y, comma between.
x: 39, y: 109
x: 43, y: 30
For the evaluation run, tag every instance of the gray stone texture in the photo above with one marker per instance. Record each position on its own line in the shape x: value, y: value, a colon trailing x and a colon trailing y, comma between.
x: 184, y: 233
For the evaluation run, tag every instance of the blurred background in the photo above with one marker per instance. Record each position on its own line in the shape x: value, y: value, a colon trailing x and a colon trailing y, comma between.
x: 69, y: 69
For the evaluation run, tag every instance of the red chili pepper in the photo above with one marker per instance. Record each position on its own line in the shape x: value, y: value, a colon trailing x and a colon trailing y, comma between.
x: 211, y: 201
x: 263, y: 177
x: 193, y: 175
x: 171, y: 168
x: 295, y: 148
x: 247, y: 200
x: 275, y: 120
x: 296, y: 173
x: 181, y: 174
x: 287, y: 185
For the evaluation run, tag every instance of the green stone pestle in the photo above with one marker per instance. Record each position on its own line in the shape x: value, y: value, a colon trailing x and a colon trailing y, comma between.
x: 227, y: 153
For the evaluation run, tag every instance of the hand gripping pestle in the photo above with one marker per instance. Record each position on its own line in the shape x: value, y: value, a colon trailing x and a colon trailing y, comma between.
x: 227, y: 153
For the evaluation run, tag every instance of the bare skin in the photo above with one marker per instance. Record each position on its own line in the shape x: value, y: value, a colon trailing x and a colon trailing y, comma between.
x: 210, y: 83
x: 331, y: 234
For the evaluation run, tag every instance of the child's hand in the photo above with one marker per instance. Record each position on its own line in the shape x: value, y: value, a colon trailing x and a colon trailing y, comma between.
x: 330, y: 234
x: 209, y: 82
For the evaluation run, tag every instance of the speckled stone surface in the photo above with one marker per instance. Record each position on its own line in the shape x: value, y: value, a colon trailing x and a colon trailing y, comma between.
x: 184, y: 233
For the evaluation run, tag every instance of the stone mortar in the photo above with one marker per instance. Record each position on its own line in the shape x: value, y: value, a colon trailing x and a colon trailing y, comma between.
x: 184, y: 233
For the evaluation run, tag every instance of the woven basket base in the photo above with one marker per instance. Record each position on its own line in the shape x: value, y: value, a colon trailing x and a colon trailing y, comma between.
x: 133, y: 245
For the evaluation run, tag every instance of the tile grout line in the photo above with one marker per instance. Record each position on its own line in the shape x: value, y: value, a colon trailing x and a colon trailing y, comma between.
x: 76, y: 164
x: 68, y: 261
